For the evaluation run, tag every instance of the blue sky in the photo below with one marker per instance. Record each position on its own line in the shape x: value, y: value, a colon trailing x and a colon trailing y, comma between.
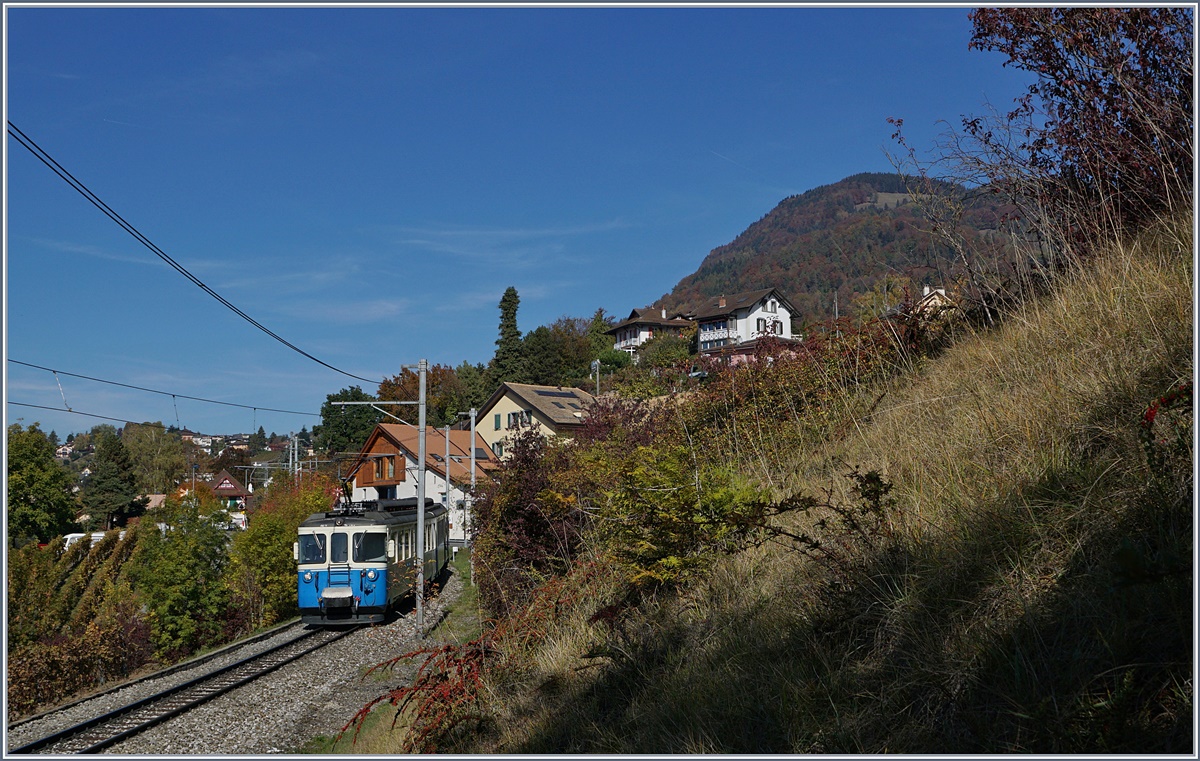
x: 366, y: 182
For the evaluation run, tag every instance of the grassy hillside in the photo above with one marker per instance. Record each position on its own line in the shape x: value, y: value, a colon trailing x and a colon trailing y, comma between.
x: 1024, y: 586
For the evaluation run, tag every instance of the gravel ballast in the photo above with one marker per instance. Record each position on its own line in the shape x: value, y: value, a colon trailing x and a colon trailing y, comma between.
x: 279, y: 712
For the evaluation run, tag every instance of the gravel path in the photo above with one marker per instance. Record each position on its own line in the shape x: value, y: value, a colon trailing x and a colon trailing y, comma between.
x: 278, y: 713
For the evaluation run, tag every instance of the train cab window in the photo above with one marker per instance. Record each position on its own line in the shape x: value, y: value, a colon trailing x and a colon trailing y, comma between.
x: 338, y: 549
x: 312, y: 549
x: 370, y: 548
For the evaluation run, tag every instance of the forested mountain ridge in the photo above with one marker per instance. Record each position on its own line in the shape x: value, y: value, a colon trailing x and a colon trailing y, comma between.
x: 843, y: 237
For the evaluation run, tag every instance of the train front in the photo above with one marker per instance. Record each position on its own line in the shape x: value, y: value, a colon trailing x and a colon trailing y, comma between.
x: 342, y: 568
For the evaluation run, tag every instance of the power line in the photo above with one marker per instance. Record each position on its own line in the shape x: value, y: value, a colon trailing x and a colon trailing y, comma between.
x: 83, y: 190
x: 90, y: 414
x: 164, y: 393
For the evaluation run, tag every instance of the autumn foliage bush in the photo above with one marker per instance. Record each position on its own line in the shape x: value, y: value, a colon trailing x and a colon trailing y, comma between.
x: 83, y: 616
x: 74, y: 622
x: 261, y: 575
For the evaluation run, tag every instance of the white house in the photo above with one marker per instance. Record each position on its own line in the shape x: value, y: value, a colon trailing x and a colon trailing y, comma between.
x: 729, y: 322
x: 386, y: 468
x: 643, y: 324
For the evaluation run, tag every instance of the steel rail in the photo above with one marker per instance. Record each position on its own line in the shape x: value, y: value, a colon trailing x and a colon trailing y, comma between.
x: 102, y: 731
x: 191, y: 663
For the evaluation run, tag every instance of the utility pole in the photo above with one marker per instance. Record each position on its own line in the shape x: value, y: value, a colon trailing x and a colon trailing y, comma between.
x: 468, y: 503
x: 446, y: 465
x: 422, y: 369
x: 469, y: 499
x: 467, y: 520
x: 420, y: 590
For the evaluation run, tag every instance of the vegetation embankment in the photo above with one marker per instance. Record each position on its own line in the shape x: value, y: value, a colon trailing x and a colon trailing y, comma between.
x: 961, y: 534
x: 1006, y: 568
x: 86, y: 615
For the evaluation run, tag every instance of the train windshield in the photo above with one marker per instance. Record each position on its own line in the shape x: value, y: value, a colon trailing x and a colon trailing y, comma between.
x: 338, y: 549
x: 312, y: 549
x: 370, y: 548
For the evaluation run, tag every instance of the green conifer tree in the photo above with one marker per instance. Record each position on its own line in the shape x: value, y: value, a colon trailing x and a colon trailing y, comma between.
x: 506, y: 364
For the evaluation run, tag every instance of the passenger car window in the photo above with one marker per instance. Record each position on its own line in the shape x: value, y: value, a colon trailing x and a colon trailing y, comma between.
x: 312, y: 549
x: 370, y: 548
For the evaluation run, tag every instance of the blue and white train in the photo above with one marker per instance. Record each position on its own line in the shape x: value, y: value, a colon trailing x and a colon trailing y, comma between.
x: 358, y: 560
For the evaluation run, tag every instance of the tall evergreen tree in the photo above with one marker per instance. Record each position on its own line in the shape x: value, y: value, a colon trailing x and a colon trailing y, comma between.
x: 600, y: 341
x: 506, y: 364
x: 474, y: 383
x: 258, y: 440
x: 112, y: 493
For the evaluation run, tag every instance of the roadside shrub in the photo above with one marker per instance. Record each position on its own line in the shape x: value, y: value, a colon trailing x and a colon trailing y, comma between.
x: 524, y: 529
x: 261, y: 575
x: 179, y: 574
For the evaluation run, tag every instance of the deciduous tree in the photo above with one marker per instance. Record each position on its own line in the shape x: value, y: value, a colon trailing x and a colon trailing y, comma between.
x: 40, y: 503
x: 157, y: 456
x: 179, y: 572
x: 345, y: 428
x: 1103, y: 138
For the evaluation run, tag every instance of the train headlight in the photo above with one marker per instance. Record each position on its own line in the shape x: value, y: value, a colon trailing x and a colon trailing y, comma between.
x: 372, y: 575
x: 308, y: 575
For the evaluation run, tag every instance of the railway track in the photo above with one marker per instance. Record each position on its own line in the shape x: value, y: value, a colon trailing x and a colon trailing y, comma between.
x: 189, y: 665
x: 100, y: 732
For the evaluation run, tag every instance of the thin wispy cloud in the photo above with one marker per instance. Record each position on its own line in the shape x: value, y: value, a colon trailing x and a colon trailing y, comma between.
x: 264, y: 68
x: 519, y: 247
x: 514, y: 233
x: 68, y: 247
x: 126, y: 124
x: 731, y: 161
x: 282, y: 279
x: 344, y: 310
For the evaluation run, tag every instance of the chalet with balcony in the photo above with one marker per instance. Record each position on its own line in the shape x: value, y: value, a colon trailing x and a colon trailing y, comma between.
x: 644, y: 324
x: 386, y: 468
x: 552, y: 410
x: 733, y: 324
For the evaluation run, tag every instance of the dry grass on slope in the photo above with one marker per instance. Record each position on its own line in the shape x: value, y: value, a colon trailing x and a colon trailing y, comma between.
x: 1036, y: 596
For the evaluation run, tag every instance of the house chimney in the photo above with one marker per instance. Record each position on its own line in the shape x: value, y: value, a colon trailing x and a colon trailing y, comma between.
x: 721, y: 302
x: 664, y: 313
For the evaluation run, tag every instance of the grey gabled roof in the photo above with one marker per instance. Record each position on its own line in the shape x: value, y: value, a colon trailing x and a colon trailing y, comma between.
x: 557, y: 404
x: 738, y: 301
x: 650, y: 317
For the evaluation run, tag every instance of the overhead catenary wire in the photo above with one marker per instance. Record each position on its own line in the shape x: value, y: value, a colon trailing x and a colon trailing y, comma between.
x: 29, y: 144
x: 154, y: 391
x: 92, y: 414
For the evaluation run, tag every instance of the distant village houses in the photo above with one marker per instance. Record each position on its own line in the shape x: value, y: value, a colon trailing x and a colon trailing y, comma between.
x: 728, y: 326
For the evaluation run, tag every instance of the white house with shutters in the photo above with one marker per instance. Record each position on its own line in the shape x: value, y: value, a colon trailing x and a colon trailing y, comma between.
x: 740, y: 320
